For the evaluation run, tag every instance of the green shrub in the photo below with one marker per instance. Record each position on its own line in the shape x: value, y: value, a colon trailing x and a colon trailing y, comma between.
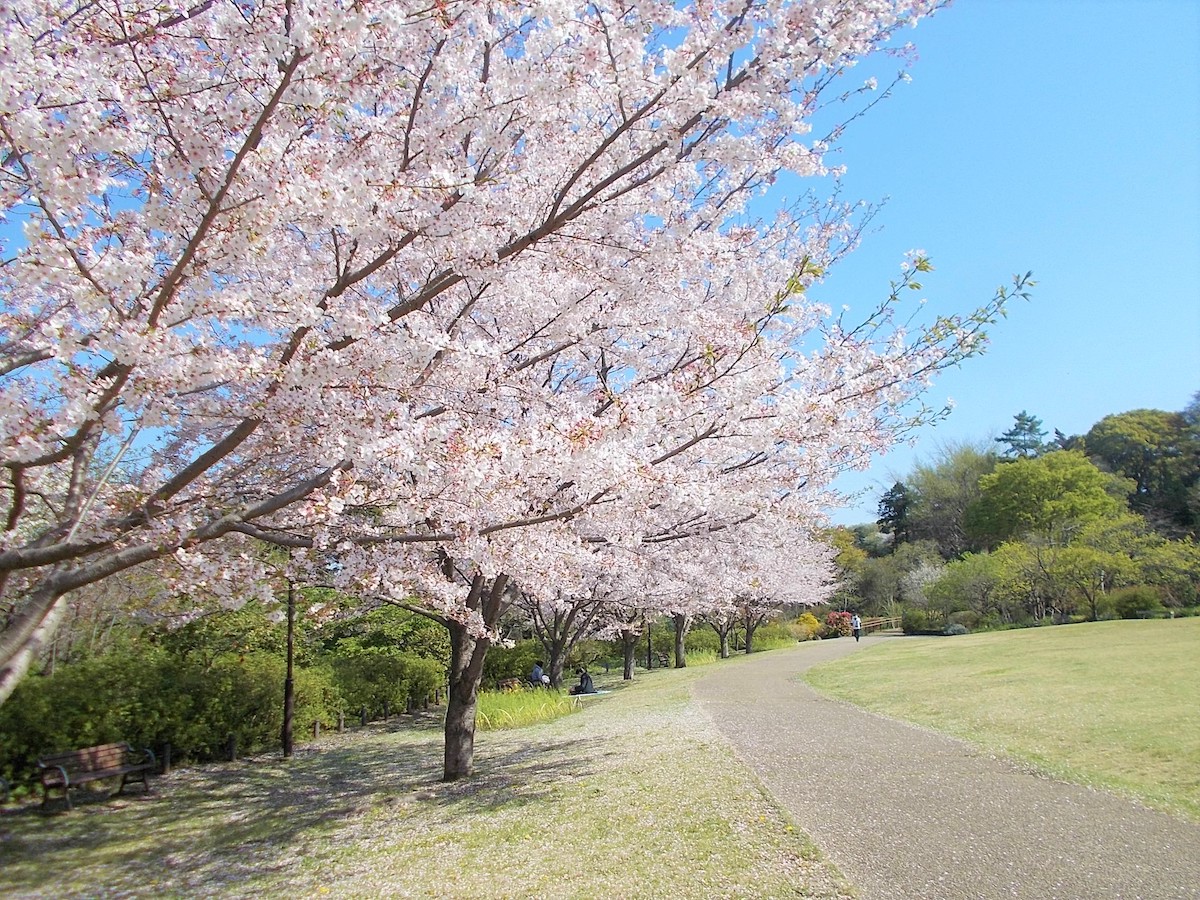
x: 1136, y: 602
x: 773, y: 636
x: 954, y: 628
x: 591, y: 654
x: 702, y: 639
x: 245, y: 630
x: 390, y: 627
x: 238, y: 696
x: 369, y: 677
x: 141, y: 693
x: 502, y: 663
x: 967, y: 618
x: 662, y: 641
x: 914, y: 621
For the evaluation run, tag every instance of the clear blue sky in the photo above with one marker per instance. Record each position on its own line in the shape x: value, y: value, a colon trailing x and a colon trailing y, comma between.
x: 1058, y: 136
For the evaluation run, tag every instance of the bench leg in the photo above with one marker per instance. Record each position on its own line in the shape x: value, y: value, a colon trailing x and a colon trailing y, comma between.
x: 66, y: 796
x: 136, y: 776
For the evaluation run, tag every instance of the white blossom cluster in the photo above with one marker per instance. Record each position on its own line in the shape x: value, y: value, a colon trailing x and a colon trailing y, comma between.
x: 429, y: 291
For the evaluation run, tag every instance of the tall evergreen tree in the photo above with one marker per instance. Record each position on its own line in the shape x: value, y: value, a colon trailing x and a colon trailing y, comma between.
x: 1026, y: 438
x: 893, y: 513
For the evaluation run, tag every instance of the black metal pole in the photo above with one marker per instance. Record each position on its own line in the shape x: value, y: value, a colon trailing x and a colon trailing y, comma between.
x: 289, y: 692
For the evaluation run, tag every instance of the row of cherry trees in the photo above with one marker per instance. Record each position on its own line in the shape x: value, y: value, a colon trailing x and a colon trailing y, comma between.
x: 456, y: 302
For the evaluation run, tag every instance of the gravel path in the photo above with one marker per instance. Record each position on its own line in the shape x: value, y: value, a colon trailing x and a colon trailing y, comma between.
x: 908, y: 814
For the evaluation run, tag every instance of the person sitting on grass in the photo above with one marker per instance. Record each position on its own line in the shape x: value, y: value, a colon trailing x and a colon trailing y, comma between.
x: 585, y: 685
x: 536, y: 676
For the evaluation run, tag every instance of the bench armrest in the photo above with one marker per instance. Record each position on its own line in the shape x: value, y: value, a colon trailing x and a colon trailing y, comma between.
x: 46, y: 770
x: 149, y: 757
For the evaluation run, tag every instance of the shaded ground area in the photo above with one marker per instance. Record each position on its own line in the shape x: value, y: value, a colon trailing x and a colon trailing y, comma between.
x: 908, y: 814
x: 637, y: 796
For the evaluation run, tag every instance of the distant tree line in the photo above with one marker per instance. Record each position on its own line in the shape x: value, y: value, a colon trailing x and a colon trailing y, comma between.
x: 1037, y: 529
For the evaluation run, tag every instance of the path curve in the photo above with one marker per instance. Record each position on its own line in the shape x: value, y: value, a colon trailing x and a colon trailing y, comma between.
x: 908, y: 814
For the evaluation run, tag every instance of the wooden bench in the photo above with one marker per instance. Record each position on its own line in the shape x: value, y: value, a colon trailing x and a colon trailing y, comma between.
x: 63, y: 771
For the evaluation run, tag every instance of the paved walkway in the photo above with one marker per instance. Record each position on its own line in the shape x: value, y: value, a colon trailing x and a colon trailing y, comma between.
x: 907, y: 814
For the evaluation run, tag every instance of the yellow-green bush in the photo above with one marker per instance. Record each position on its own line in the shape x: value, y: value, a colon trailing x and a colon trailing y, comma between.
x: 806, y: 627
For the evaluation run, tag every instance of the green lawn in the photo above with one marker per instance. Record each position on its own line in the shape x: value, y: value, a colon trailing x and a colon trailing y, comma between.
x: 636, y: 795
x: 1110, y: 704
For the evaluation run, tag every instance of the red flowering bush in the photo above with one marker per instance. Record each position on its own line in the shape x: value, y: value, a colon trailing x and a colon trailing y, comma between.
x: 837, y: 624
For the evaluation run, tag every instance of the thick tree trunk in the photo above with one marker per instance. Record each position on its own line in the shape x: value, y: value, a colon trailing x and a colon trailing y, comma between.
x: 629, y: 649
x: 681, y: 628
x: 750, y: 637
x: 467, y: 653
x: 557, y: 653
x: 466, y: 665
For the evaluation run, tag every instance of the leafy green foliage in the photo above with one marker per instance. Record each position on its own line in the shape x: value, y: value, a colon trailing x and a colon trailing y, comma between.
x: 245, y: 630
x: 370, y: 677
x: 1138, y: 602
x: 146, y: 695
x: 1045, y: 495
x: 914, y: 621
x: 1067, y: 531
x: 387, y: 658
x: 219, y: 677
x: 969, y: 583
x: 591, y: 654
x: 503, y: 663
x: 390, y: 626
x: 772, y: 636
x: 704, y: 640
x: 941, y: 492
x: 1160, y: 453
x: 877, y: 583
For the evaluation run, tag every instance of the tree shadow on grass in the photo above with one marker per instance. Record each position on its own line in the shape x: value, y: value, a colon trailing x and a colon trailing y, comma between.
x: 210, y: 828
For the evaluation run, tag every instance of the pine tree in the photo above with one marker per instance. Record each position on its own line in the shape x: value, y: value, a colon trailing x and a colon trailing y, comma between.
x: 1025, y: 439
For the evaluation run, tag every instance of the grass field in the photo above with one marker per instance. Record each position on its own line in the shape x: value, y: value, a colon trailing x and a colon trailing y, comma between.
x: 1110, y: 704
x: 636, y: 795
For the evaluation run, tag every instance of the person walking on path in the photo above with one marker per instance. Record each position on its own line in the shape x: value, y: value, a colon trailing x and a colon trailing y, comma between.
x: 944, y: 820
x: 856, y: 626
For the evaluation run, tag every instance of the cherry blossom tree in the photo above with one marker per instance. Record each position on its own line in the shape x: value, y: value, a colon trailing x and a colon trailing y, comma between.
x: 561, y: 623
x: 754, y: 571
x: 437, y: 296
